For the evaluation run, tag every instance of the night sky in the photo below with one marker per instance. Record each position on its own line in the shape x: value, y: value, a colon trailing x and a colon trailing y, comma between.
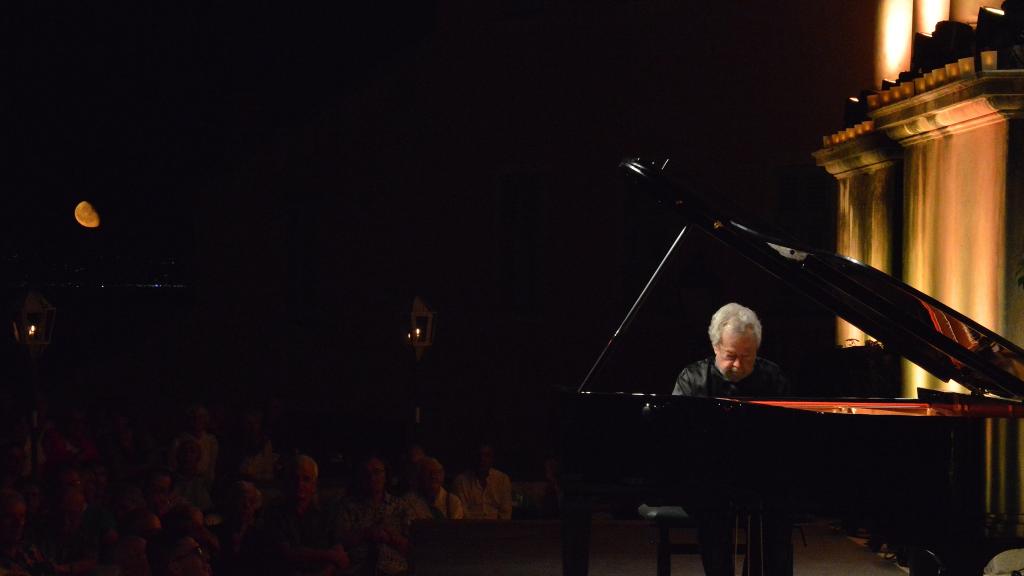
x: 292, y: 176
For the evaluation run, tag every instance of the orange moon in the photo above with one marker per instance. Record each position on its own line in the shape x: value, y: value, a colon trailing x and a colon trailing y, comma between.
x: 86, y: 215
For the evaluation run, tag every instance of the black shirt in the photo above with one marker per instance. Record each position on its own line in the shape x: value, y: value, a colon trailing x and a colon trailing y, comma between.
x: 702, y: 378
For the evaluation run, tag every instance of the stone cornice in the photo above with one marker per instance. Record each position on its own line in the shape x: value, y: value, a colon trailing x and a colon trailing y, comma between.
x: 862, y: 154
x: 962, y: 105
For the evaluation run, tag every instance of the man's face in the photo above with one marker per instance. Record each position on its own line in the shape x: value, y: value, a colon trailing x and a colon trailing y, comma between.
x: 376, y: 475
x: 159, y: 496
x: 431, y: 479
x: 304, y: 483
x: 735, y: 354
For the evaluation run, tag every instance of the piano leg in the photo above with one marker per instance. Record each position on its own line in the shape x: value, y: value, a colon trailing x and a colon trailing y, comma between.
x: 576, y: 520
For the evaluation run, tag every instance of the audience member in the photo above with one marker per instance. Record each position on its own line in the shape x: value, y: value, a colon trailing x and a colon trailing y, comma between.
x: 99, y: 518
x: 140, y: 527
x: 252, y: 455
x: 197, y: 421
x: 142, y: 522
x: 125, y: 499
x: 131, y: 558
x: 189, y: 485
x: 16, y: 435
x: 552, y: 488
x: 12, y: 464
x: 159, y: 491
x: 71, y: 544
x: 238, y: 534
x: 298, y: 529
x: 18, y: 557
x: 431, y: 500
x: 485, y: 491
x: 129, y: 451
x: 371, y: 523
x: 408, y: 469
x: 69, y: 442
x: 184, y: 519
x: 96, y: 484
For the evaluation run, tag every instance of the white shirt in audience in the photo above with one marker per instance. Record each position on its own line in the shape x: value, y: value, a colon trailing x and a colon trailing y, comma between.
x: 489, y: 500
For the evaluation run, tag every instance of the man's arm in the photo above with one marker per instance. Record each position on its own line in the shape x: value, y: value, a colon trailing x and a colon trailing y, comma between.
x: 455, y: 509
x: 778, y: 383
x: 692, y: 381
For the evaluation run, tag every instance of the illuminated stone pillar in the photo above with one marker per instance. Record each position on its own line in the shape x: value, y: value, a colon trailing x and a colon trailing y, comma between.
x: 928, y: 13
x: 963, y: 206
x: 935, y: 197
x: 893, y: 38
x: 869, y: 174
x: 966, y: 11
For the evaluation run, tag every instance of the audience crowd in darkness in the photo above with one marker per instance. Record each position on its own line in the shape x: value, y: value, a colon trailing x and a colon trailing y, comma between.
x: 99, y: 494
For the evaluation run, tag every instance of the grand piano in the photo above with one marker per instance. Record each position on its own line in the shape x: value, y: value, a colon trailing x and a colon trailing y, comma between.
x: 939, y: 475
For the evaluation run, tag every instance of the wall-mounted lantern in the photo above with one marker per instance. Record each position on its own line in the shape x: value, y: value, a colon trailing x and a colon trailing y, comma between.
x: 34, y: 321
x: 421, y: 327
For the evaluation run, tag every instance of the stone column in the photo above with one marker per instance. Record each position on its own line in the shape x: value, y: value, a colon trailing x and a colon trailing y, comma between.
x: 947, y: 214
x: 869, y: 174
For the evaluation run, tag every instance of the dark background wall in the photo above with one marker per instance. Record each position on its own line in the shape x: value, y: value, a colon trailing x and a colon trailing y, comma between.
x: 306, y: 171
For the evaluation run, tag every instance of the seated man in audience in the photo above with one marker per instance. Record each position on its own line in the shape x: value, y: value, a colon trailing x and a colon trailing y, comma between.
x: 17, y: 557
x: 485, y: 491
x: 431, y: 500
x: 130, y: 557
x: 139, y: 528
x: 189, y: 485
x: 371, y: 522
x: 197, y: 423
x: 65, y: 538
x: 404, y: 481
x: 130, y: 451
x: 159, y: 491
x: 298, y: 530
x: 184, y: 519
x: 238, y: 533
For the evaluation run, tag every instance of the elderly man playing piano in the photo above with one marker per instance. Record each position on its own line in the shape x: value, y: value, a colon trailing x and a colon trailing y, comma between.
x: 736, y: 370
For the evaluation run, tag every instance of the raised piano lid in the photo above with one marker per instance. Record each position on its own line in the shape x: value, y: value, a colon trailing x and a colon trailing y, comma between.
x: 934, y: 336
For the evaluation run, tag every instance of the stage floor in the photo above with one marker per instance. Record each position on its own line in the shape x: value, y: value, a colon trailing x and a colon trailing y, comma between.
x: 619, y: 548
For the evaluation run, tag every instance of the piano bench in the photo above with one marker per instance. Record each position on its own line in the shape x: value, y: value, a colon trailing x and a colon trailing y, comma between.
x: 665, y: 518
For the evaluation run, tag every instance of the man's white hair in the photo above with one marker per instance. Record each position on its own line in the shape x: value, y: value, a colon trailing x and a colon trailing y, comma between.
x: 737, y: 318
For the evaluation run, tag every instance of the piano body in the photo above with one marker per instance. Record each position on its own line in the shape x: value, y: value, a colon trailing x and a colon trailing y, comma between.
x: 939, y: 473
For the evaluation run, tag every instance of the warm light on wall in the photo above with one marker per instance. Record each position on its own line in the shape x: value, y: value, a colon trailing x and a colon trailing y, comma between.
x: 895, y: 32
x: 928, y: 13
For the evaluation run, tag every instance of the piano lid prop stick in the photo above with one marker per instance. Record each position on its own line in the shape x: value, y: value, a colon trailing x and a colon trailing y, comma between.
x: 632, y: 311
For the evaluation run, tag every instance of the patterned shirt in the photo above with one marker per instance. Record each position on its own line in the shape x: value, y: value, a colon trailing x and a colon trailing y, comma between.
x: 445, y: 506
x: 357, y: 516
